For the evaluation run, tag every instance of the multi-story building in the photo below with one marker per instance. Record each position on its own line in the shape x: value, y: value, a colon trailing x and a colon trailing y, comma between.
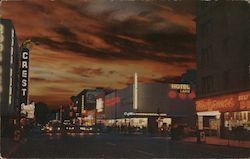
x: 85, y: 102
x: 149, y: 105
x: 223, y: 65
x: 9, y: 70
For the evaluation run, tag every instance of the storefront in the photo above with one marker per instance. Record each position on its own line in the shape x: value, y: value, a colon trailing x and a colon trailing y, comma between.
x: 224, y: 113
x: 143, y: 122
x: 89, y: 119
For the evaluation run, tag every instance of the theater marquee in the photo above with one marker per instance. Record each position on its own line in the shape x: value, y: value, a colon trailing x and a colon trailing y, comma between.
x: 225, y: 103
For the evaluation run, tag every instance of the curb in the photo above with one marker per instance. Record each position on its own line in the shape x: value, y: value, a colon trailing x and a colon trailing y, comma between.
x: 233, y: 146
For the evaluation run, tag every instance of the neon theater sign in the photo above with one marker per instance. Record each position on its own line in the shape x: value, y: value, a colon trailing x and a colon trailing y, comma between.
x: 24, y: 76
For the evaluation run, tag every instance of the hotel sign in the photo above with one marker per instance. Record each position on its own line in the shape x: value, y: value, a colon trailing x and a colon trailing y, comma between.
x: 24, y: 76
x: 181, y: 87
x: 233, y: 102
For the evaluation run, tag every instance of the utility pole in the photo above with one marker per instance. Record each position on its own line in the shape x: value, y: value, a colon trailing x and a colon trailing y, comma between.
x: 61, y: 115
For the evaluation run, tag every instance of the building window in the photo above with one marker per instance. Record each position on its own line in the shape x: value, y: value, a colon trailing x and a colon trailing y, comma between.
x: 208, y: 28
x: 1, y: 37
x: 225, y: 46
x: 91, y: 97
x: 210, y: 55
x: 207, y: 84
x: 226, y: 79
x: 206, y: 56
x: 245, y: 42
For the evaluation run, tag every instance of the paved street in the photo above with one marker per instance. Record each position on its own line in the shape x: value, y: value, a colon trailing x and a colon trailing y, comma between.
x: 41, y: 145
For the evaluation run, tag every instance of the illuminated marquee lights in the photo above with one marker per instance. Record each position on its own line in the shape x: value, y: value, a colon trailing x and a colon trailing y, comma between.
x: 112, y: 101
x: 172, y: 94
x: 83, y: 107
x: 182, y: 96
x: 1, y: 49
x: 143, y: 114
x: 1, y: 38
x: 11, y: 65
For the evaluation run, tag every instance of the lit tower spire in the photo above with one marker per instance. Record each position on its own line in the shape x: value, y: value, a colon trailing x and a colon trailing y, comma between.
x: 135, y: 92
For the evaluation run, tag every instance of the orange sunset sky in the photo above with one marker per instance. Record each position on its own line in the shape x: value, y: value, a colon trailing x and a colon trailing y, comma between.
x: 101, y: 43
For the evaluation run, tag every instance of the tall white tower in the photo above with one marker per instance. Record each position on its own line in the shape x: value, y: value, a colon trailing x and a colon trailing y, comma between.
x: 135, y: 92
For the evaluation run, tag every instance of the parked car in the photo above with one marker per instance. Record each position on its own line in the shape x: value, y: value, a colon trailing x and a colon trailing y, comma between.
x: 86, y: 128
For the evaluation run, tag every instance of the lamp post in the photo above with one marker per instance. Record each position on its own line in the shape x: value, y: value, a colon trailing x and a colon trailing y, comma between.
x: 115, y: 108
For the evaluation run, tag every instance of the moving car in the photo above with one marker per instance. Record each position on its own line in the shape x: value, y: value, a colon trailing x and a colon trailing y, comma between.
x: 53, y: 126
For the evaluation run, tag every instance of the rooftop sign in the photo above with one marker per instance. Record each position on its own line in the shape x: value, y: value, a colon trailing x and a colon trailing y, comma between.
x: 181, y: 87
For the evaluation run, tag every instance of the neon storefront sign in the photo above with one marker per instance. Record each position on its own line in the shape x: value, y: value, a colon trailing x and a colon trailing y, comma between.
x: 112, y: 101
x: 233, y: 102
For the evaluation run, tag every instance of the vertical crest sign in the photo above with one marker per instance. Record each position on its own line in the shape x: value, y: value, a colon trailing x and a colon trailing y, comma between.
x: 24, y: 76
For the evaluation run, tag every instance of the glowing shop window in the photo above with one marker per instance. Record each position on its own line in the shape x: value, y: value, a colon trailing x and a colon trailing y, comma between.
x: 1, y: 56
x: 1, y: 47
x: 1, y: 38
x: 1, y: 28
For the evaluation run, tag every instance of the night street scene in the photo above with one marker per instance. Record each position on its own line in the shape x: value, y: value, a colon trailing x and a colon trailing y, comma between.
x: 125, y: 79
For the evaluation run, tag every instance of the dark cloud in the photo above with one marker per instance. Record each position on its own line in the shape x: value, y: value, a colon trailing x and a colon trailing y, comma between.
x: 179, y: 42
x: 181, y: 6
x: 89, y: 71
x: 59, y: 90
x: 129, y: 50
x: 54, y: 45
x: 66, y: 33
x: 112, y: 72
x: 37, y: 79
x: 171, y: 39
x: 167, y: 79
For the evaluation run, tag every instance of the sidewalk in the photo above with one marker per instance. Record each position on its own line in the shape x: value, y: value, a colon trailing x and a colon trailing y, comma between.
x: 219, y: 141
x: 9, y: 146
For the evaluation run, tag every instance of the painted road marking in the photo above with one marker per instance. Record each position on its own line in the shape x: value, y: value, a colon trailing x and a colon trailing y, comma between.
x: 144, y: 152
x: 112, y: 144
